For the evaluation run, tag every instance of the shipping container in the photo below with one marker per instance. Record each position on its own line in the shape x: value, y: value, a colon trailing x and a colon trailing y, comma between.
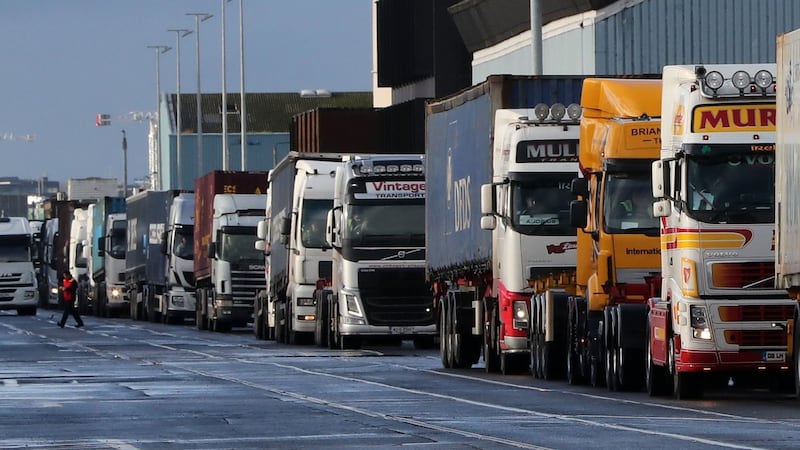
x: 147, y: 217
x: 347, y: 130
x: 205, y: 188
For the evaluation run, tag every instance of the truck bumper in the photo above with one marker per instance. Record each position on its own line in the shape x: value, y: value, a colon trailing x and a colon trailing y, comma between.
x: 237, y: 316
x: 21, y: 297
x: 181, y: 303
x: 705, y: 361
x: 356, y: 329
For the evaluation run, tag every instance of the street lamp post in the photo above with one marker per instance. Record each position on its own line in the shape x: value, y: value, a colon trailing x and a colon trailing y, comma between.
x: 155, y: 175
x: 242, y: 109
x: 199, y: 17
x: 124, y: 165
x: 225, y: 148
x: 179, y: 33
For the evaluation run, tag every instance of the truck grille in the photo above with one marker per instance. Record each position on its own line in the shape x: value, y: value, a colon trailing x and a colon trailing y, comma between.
x: 245, y: 285
x: 395, y: 297
x: 756, y: 338
x: 755, y: 313
x: 738, y: 275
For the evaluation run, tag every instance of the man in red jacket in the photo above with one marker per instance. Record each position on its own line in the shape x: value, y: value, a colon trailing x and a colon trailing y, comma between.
x: 68, y: 288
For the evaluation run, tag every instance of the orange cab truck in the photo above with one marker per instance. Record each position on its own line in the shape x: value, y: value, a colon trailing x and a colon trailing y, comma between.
x: 719, y: 315
x: 618, y: 237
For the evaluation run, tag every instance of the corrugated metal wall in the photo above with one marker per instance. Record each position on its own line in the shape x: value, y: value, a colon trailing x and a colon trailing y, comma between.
x: 654, y: 33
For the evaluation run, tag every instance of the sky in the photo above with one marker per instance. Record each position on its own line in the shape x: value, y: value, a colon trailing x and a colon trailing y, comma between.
x: 65, y: 61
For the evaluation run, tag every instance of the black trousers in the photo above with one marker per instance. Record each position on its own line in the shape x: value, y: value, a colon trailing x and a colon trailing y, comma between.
x: 69, y: 308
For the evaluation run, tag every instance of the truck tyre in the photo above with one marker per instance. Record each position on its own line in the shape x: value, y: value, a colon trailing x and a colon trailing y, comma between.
x: 609, y: 325
x: 349, y: 342
x: 491, y: 356
x: 258, y: 325
x: 657, y: 379
x: 796, y: 357
x: 26, y: 311
x: 444, y: 335
x: 321, y: 325
x: 333, y: 337
x: 291, y: 334
x: 685, y: 385
x: 574, y: 375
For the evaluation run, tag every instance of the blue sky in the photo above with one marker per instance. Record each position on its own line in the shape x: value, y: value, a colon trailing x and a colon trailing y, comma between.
x: 64, y: 61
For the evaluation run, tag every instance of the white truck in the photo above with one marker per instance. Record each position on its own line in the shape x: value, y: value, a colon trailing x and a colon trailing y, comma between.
x: 76, y: 258
x: 719, y: 315
x: 17, y: 279
x: 105, y: 248
x: 377, y: 231
x: 787, y: 185
x: 228, y: 270
x: 292, y: 236
x: 178, y: 241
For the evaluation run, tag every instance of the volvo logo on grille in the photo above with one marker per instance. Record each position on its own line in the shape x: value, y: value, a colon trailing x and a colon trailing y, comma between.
x: 401, y: 254
x: 6, y: 275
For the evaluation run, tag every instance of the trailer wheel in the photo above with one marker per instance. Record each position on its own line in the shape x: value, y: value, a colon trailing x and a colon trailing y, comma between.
x: 574, y: 375
x: 322, y: 323
x: 796, y: 357
x: 200, y: 319
x: 333, y: 335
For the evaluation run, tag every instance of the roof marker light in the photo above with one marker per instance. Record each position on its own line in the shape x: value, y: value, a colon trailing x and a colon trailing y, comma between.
x: 557, y: 111
x: 740, y: 79
x: 763, y: 79
x: 541, y: 111
x: 714, y: 80
x: 574, y: 111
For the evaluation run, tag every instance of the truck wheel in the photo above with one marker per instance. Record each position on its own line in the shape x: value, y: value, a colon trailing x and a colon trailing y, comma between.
x: 656, y: 377
x: 258, y: 326
x: 796, y: 358
x: 629, y: 371
x: 685, y: 385
x: 333, y: 337
x: 320, y: 331
x: 26, y: 311
x: 349, y: 342
x: 574, y: 375
x: 491, y: 356
x: 424, y: 342
x: 444, y: 335
x: 200, y: 318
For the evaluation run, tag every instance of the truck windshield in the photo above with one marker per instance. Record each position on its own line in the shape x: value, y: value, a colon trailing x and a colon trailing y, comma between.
x: 628, y: 204
x: 236, y: 248
x: 731, y: 188
x: 312, y: 226
x: 118, y: 244
x: 15, y: 249
x: 183, y: 246
x: 372, y: 225
x: 541, y: 207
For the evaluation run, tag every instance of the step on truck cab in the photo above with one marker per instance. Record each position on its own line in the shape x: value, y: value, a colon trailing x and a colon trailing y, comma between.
x: 720, y: 316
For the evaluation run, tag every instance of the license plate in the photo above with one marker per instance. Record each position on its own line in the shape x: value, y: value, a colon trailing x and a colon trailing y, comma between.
x: 401, y: 330
x: 774, y: 356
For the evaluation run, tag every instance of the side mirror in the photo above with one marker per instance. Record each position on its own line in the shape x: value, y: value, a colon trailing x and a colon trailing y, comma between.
x: 488, y: 197
x: 164, y: 240
x: 86, y: 251
x: 261, y: 229
x: 578, y: 211
x: 260, y: 245
x: 488, y: 222
x: 101, y: 246
x: 580, y: 186
x: 211, y: 250
x: 285, y: 225
x: 331, y: 229
x: 659, y: 175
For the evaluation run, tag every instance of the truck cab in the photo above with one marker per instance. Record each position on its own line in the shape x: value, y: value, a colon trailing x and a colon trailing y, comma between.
x: 17, y: 279
x: 179, y: 248
x: 115, y: 246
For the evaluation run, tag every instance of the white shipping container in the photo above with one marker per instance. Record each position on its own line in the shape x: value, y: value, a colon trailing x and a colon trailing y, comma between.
x: 92, y: 188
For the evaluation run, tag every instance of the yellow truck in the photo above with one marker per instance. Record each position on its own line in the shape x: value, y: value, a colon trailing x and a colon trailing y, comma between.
x: 619, y: 263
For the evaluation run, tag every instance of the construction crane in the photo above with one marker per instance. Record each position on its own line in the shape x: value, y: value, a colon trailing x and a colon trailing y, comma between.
x: 102, y: 120
x: 8, y: 136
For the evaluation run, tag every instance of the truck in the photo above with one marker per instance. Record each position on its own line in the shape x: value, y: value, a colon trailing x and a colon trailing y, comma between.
x: 18, y: 288
x: 292, y: 237
x: 104, y: 249
x: 376, y: 229
x: 787, y: 188
x: 158, y: 257
x: 55, y: 237
x: 76, y: 259
x: 720, y: 317
x: 618, y: 246
x: 487, y: 149
x: 228, y: 269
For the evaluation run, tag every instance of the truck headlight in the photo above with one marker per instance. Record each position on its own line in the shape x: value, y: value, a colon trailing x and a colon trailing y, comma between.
x: 699, y: 322
x: 520, y: 320
x: 306, y: 302
x: 177, y: 301
x: 352, y: 305
x: 115, y: 292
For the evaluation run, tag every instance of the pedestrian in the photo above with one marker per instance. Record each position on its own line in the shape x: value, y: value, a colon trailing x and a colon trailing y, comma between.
x: 68, y: 288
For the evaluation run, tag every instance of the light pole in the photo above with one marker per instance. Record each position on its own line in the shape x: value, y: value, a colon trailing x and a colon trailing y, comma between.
x: 199, y: 17
x: 242, y: 108
x: 179, y: 33
x: 225, y: 148
x: 124, y: 165
x: 155, y: 175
